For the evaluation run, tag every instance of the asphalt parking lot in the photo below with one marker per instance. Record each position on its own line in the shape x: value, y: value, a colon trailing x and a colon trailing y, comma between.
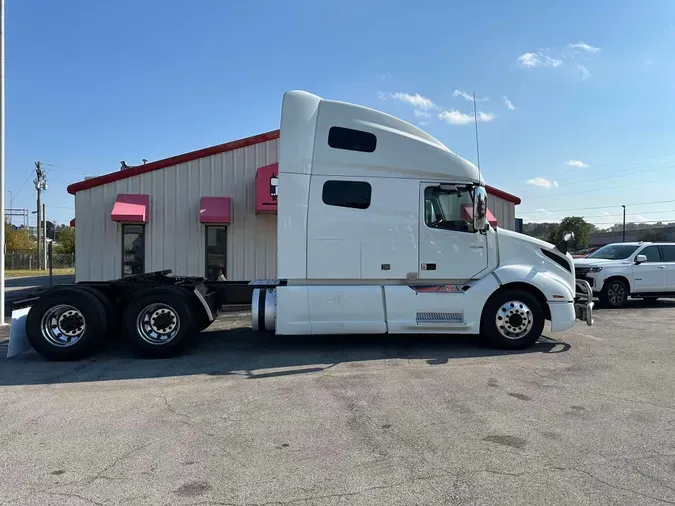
x: 245, y: 419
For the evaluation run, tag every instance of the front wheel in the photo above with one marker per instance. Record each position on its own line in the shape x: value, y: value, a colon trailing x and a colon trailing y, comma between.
x: 512, y: 319
x: 614, y: 294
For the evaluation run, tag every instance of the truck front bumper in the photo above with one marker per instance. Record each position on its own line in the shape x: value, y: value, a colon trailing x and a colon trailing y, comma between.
x: 583, y: 302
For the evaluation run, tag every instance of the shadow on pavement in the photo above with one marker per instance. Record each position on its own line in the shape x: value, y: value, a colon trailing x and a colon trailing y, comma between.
x: 241, y: 352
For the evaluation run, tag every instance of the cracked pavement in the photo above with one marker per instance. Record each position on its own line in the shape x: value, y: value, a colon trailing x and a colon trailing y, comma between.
x: 247, y: 419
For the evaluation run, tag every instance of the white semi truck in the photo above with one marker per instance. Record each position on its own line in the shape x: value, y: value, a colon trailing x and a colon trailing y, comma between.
x: 381, y: 229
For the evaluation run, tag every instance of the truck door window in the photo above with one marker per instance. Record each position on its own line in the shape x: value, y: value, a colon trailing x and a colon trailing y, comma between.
x: 652, y: 253
x: 448, y: 209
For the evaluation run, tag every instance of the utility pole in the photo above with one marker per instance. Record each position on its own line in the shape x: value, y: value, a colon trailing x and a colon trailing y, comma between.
x: 44, y: 237
x: 2, y: 161
x: 624, y: 224
x: 40, y: 184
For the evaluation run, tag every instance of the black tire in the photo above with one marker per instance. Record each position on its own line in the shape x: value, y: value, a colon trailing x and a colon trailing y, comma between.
x: 614, y: 293
x: 89, y: 341
x: 514, y: 305
x: 113, y: 327
x: 177, y: 303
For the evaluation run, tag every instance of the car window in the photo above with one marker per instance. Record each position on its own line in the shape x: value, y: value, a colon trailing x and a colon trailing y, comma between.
x: 668, y: 253
x: 652, y: 253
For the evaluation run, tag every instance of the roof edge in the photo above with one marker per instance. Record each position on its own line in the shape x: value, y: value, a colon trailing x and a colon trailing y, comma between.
x: 168, y: 162
x: 503, y: 195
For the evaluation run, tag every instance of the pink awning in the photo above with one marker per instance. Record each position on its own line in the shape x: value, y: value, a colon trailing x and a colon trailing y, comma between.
x: 132, y: 208
x: 215, y: 210
x: 468, y: 215
x: 265, y: 189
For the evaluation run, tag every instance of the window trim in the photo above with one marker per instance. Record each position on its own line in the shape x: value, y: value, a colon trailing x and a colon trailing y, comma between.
x: 349, y: 181
x: 206, y: 246
x: 339, y: 130
x: 144, y: 262
x: 469, y: 189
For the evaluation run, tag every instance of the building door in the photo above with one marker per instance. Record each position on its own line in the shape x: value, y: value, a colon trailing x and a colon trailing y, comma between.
x: 216, y: 252
x: 133, y: 249
x: 449, y: 249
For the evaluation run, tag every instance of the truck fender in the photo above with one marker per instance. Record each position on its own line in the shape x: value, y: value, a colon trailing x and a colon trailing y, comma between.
x: 550, y: 284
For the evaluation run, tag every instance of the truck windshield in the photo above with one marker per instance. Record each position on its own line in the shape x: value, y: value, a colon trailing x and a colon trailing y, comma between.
x: 614, y: 252
x: 449, y: 209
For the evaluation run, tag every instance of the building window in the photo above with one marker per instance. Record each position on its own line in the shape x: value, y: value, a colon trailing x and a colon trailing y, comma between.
x: 216, y: 252
x: 354, y: 194
x: 351, y: 140
x: 133, y: 249
x: 446, y: 208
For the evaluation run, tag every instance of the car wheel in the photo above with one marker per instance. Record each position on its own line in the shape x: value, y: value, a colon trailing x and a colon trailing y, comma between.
x: 512, y: 319
x: 614, y: 293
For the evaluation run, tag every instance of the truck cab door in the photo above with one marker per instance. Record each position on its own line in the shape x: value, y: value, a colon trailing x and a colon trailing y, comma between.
x: 449, y: 247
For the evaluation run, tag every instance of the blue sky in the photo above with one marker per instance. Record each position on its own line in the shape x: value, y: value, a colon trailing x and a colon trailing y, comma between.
x: 89, y: 84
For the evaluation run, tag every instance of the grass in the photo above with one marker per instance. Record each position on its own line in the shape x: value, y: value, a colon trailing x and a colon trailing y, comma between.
x: 17, y: 273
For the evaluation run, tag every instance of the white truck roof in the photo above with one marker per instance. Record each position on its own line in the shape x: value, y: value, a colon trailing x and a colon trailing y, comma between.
x: 392, y: 147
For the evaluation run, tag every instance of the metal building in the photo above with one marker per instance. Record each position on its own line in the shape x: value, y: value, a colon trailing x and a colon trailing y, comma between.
x: 210, y: 213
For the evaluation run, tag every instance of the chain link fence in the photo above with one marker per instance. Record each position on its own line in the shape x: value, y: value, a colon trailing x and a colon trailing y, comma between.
x: 28, y: 260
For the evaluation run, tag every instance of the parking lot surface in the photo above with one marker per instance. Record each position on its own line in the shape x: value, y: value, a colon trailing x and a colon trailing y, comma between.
x: 247, y: 419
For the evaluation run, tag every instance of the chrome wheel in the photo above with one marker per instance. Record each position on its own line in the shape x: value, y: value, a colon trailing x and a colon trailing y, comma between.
x: 62, y: 325
x: 616, y: 293
x: 158, y: 324
x: 514, y: 319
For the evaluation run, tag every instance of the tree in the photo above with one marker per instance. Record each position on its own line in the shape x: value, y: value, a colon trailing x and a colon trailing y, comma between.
x: 581, y: 230
x: 17, y: 239
x: 651, y: 235
x: 65, y: 239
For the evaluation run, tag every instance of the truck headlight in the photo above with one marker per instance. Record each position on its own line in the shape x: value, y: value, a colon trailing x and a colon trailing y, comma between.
x: 595, y: 269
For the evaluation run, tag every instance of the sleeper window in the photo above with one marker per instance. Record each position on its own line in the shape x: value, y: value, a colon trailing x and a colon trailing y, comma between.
x: 353, y: 194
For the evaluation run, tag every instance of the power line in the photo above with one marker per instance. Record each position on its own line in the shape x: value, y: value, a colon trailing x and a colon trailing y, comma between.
x: 602, y: 189
x: 607, y: 206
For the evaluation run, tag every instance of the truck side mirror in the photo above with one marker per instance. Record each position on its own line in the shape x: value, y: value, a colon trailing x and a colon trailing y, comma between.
x: 640, y: 258
x: 480, y: 219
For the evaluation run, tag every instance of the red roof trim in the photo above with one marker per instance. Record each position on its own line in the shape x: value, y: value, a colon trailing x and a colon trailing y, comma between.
x: 502, y: 194
x: 213, y: 150
x: 174, y: 160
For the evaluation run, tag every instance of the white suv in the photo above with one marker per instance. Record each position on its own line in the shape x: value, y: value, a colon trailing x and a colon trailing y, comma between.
x: 638, y: 269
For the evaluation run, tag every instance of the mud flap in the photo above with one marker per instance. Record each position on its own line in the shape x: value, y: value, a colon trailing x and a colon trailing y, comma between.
x: 18, y: 339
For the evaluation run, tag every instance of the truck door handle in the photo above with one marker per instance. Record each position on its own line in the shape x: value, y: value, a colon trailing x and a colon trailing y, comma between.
x: 660, y: 266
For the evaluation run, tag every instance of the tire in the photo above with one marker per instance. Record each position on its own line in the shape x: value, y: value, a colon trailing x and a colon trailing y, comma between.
x: 525, y: 319
x: 167, y: 337
x: 113, y: 322
x: 52, y: 324
x: 614, y: 293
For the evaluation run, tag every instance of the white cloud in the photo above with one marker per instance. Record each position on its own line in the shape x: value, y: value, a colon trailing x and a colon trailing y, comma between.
x: 584, y: 47
x: 423, y: 123
x: 416, y: 100
x: 381, y: 95
x: 466, y: 96
x: 605, y: 213
x: 541, y: 182
x: 639, y: 217
x: 509, y: 104
x: 542, y: 210
x: 585, y: 74
x: 421, y: 114
x: 455, y: 117
x: 577, y: 163
x: 539, y: 59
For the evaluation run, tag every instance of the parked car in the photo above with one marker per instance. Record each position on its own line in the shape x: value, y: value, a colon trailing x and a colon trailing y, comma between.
x: 637, y: 269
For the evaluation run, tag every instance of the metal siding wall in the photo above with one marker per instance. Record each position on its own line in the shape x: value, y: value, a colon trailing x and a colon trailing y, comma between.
x: 174, y: 237
x: 504, y: 211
